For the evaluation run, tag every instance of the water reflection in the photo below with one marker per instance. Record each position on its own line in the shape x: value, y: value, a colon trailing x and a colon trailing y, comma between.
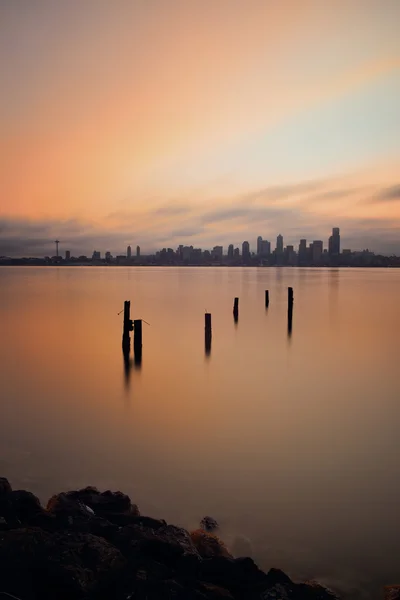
x: 333, y: 285
x: 127, y: 367
x: 207, y: 344
x: 290, y: 321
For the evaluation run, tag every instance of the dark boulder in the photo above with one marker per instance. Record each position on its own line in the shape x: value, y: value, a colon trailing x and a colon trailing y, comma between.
x: 38, y: 564
x: 101, y: 503
x: 208, y: 544
x: 209, y: 524
x: 238, y: 575
x: 20, y: 507
x: 312, y: 590
x: 392, y: 592
x: 5, y: 487
x: 167, y: 544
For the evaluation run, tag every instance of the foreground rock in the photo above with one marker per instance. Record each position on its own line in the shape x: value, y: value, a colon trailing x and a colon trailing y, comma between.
x: 94, y: 545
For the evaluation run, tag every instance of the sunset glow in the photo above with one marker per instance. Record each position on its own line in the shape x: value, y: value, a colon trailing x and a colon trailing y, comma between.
x: 173, y: 122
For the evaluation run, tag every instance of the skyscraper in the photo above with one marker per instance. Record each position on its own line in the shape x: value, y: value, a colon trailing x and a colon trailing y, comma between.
x: 259, y: 245
x: 265, y: 248
x: 334, y: 242
x: 245, y: 250
x: 279, y: 244
x: 129, y: 252
x: 317, y: 249
x: 302, y: 252
x: 230, y: 251
x: 137, y: 250
x: 67, y: 254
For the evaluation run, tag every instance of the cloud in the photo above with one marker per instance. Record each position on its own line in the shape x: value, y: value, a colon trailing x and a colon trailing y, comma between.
x: 309, y: 210
x: 389, y: 194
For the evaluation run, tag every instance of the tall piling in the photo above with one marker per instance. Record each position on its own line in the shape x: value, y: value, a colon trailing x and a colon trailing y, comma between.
x: 207, y: 333
x: 127, y: 327
x: 266, y: 298
x: 290, y: 310
x: 236, y: 309
x: 137, y: 338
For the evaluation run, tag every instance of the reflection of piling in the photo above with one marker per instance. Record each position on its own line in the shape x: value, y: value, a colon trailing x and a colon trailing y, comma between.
x: 266, y: 298
x: 127, y: 327
x: 236, y: 309
x: 137, y: 340
x: 290, y: 310
x: 207, y: 332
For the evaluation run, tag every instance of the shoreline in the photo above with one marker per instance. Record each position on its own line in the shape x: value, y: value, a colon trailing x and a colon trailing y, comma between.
x: 93, y: 545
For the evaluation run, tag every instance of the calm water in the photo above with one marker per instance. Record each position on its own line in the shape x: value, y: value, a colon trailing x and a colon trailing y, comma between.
x: 292, y: 443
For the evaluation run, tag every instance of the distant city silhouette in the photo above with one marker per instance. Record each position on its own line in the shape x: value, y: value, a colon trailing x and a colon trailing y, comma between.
x: 314, y: 254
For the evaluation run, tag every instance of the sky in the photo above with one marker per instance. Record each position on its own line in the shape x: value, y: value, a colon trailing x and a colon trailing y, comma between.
x: 198, y: 122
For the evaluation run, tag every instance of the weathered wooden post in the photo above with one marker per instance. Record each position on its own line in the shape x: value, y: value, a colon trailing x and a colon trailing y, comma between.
x: 137, y: 338
x: 266, y: 298
x: 236, y: 309
x: 207, y: 332
x: 290, y: 310
x: 127, y: 327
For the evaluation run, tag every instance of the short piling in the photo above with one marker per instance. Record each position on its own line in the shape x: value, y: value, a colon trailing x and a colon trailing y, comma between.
x: 266, y: 298
x: 207, y: 333
x: 290, y: 310
x: 236, y: 309
x: 137, y: 338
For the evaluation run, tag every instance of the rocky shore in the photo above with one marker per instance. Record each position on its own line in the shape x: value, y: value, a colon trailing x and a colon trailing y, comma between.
x: 95, y: 545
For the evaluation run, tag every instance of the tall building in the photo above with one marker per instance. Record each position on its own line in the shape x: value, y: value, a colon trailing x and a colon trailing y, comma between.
x: 217, y: 252
x: 96, y: 255
x: 265, y: 249
x: 245, y: 250
x: 279, y: 244
x: 334, y: 242
x: 129, y: 252
x: 230, y: 251
x: 67, y: 254
x: 236, y: 253
x: 259, y: 245
x: 137, y: 250
x: 317, y: 250
x: 108, y: 257
x: 302, y: 251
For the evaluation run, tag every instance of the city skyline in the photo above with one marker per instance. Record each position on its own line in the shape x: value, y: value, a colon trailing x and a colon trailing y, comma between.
x: 121, y: 123
x: 332, y: 245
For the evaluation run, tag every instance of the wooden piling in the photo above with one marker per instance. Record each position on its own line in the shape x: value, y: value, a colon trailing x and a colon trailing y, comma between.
x: 137, y: 336
x: 266, y: 298
x: 236, y: 309
x: 207, y: 333
x: 127, y: 327
x: 290, y: 310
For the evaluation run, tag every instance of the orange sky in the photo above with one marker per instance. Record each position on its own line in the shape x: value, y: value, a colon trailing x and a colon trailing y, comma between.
x: 168, y: 122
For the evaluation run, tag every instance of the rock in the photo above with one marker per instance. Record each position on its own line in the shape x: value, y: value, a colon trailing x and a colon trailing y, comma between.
x: 392, y: 592
x: 167, y: 544
x: 312, y: 590
x: 102, y: 503
x: 277, y: 592
x: 64, y: 505
x: 20, y: 507
x: 278, y: 577
x: 235, y: 574
x: 209, y: 524
x: 208, y: 545
x: 37, y: 564
x: 214, y: 592
x: 5, y: 487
